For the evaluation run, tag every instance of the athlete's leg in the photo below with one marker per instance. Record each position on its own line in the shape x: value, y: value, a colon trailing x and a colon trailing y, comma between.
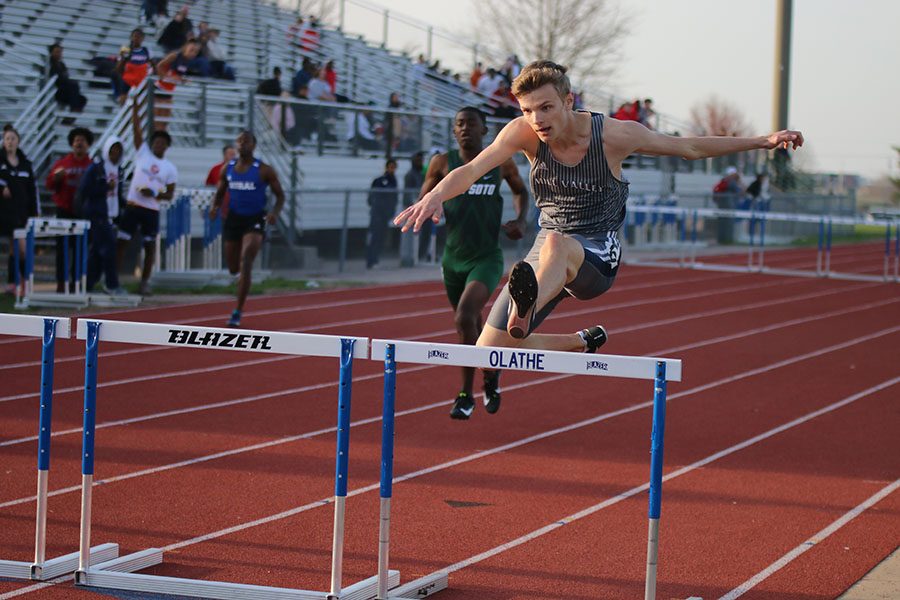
x: 468, y: 323
x: 232, y: 249
x: 250, y: 246
x: 149, y: 256
x: 560, y: 258
x: 564, y: 342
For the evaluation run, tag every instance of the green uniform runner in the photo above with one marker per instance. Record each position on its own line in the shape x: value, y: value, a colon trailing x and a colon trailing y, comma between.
x: 472, y: 249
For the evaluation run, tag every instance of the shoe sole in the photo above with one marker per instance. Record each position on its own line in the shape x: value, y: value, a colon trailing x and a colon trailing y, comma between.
x: 605, y: 339
x: 523, y: 289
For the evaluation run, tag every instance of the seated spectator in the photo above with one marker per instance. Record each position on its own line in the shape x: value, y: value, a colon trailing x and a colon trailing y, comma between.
x: 489, y: 82
x: 218, y: 68
x: 171, y: 71
x: 303, y: 76
x: 630, y: 111
x: 647, y: 115
x: 318, y: 87
x: 305, y: 122
x: 506, y: 106
x: 133, y: 65
x: 331, y: 76
x: 477, y: 72
x: 177, y: 32
x: 272, y: 86
x: 361, y: 130
x: 68, y: 92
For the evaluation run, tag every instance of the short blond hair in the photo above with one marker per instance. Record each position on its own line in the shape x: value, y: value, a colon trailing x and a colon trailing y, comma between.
x: 538, y: 74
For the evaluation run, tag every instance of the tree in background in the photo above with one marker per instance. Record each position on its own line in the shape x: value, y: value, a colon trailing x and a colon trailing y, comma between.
x: 715, y: 116
x: 584, y: 35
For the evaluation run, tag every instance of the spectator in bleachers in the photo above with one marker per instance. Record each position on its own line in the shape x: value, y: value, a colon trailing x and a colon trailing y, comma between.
x: 647, y: 116
x: 133, y: 65
x: 489, y: 82
x: 177, y: 32
x: 477, y: 72
x: 382, y: 205
x: 304, y: 118
x: 68, y: 92
x: 216, y: 55
x: 361, y: 130
x: 62, y: 181
x: 171, y: 71
x: 331, y: 76
x: 318, y: 88
x: 303, y: 76
x: 101, y: 194
x: 18, y: 199
x: 271, y: 86
x: 510, y: 69
x: 154, y: 179
x: 506, y: 106
x: 394, y: 129
x: 630, y: 111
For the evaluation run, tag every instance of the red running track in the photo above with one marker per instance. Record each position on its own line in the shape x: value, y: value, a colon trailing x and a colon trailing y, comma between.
x: 785, y: 423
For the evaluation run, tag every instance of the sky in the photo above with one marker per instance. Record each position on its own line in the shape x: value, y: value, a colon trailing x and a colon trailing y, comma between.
x: 845, y: 66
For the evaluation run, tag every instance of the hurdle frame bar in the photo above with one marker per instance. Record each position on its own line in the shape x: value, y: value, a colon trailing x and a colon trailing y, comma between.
x: 119, y: 572
x: 46, y: 227
x: 659, y: 370
x: 48, y: 329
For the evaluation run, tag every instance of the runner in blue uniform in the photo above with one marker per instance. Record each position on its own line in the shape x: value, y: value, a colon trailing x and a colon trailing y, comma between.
x: 245, y: 179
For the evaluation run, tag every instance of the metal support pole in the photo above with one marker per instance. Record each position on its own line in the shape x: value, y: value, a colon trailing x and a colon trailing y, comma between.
x: 387, y: 470
x: 17, y: 279
x: 343, y: 249
x: 292, y: 208
x: 202, y: 115
x: 44, y: 430
x: 430, y: 41
x: 65, y: 269
x: 251, y: 110
x: 342, y: 11
x: 341, y: 465
x: 819, y: 246
x: 750, y: 230
x: 897, y: 255
x: 656, y: 463
x: 87, y: 447
x: 29, y: 261
x: 84, y: 259
x: 762, y: 241
x: 887, y: 251
x: 384, y: 34
x: 828, y: 249
x: 694, y: 240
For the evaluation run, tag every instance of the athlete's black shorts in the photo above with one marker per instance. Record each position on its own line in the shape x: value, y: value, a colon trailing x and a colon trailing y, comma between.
x: 596, y: 275
x: 138, y: 217
x: 237, y: 225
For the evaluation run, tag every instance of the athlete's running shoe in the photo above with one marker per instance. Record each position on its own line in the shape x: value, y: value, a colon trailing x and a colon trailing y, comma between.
x: 235, y: 320
x: 593, y: 337
x: 523, y: 291
x: 462, y: 407
x: 492, y: 391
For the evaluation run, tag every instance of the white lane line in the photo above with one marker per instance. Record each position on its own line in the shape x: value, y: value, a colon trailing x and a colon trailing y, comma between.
x: 811, y: 542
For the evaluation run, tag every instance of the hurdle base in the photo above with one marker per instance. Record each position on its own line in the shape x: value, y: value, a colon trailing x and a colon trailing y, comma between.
x: 105, y: 300
x: 55, y: 567
x: 118, y: 574
x: 53, y: 300
x: 420, y: 588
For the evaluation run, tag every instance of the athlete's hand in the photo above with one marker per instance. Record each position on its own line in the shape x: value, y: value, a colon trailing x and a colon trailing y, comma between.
x: 271, y: 218
x: 6, y: 193
x: 213, y: 212
x: 514, y: 229
x: 784, y: 139
x: 430, y: 206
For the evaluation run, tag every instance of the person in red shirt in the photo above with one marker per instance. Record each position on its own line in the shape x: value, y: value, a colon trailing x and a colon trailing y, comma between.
x: 331, y: 76
x: 62, y: 181
x: 212, y: 178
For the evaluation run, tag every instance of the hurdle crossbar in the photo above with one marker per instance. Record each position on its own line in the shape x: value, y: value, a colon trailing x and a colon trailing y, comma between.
x: 48, y: 329
x: 43, y: 227
x: 119, y: 573
x: 658, y: 370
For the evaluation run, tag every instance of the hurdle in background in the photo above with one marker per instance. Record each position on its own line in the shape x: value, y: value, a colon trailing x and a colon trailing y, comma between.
x: 40, y: 227
x: 49, y: 329
x: 178, y: 218
x: 118, y: 573
x: 659, y: 370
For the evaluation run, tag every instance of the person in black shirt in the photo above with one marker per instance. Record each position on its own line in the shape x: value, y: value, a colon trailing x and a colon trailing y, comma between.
x: 18, y: 197
x: 68, y: 92
x: 382, y: 204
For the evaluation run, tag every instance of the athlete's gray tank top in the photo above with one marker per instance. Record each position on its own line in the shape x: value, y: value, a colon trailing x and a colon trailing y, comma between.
x: 586, y: 198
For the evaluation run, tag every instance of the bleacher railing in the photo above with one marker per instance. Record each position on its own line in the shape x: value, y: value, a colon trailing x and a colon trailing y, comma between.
x: 37, y: 126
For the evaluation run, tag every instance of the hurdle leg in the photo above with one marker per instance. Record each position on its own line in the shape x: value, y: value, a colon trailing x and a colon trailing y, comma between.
x: 387, y: 470
x: 897, y: 255
x: 656, y: 462
x: 340, y: 481
x: 761, y: 253
x: 887, y: 252
x: 44, y: 430
x: 819, y: 247
x: 828, y: 249
x: 29, y: 262
x: 87, y: 452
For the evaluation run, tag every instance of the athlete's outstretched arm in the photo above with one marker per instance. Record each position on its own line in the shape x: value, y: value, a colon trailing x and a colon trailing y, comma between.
x: 627, y: 137
x: 511, y: 139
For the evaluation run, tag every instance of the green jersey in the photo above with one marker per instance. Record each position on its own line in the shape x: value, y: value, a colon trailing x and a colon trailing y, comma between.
x: 473, y: 218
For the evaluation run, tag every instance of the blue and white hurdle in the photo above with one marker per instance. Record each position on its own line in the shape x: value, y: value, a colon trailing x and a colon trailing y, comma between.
x: 41, y: 227
x: 119, y: 573
x: 48, y: 329
x: 658, y: 370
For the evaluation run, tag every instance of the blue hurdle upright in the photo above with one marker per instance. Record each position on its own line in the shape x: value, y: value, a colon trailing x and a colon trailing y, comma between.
x: 42, y: 227
x: 48, y: 329
x: 118, y: 573
x: 658, y: 370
